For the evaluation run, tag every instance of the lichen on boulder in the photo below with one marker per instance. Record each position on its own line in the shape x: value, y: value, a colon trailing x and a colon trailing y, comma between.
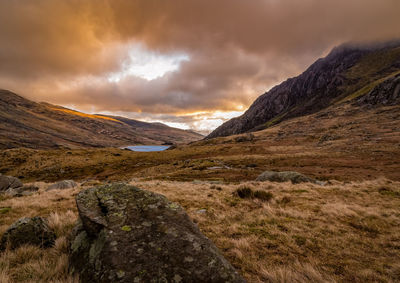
x: 131, y: 235
x: 28, y: 231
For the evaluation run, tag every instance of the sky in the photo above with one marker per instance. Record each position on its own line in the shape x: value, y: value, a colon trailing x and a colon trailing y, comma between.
x: 187, y: 63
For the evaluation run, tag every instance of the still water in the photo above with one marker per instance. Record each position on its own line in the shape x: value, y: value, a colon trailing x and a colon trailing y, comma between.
x: 147, y: 148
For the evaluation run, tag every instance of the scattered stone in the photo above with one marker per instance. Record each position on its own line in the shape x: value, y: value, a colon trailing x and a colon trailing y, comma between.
x: 131, y: 235
x: 22, y: 191
x: 287, y: 176
x: 66, y: 184
x: 215, y: 168
x: 32, y: 231
x: 201, y: 211
x: 8, y: 182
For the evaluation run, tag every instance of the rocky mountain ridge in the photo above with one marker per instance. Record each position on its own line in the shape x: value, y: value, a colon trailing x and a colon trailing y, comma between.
x: 346, y: 74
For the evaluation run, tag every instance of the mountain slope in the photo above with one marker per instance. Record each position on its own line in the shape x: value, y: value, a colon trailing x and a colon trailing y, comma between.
x: 347, y: 73
x: 24, y: 123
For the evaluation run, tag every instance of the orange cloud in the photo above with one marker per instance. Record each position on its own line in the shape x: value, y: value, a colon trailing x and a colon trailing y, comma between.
x: 63, y: 51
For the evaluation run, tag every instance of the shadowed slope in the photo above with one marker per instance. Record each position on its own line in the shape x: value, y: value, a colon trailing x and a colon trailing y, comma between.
x: 348, y: 72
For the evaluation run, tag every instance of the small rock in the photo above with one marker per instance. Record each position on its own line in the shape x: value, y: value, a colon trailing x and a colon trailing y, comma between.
x: 32, y: 231
x: 66, y: 184
x: 131, y: 235
x: 286, y: 176
x: 22, y: 191
x: 8, y: 182
x: 201, y: 211
x: 215, y: 168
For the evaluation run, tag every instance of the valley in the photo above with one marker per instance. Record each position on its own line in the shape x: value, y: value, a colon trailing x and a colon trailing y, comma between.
x: 338, y: 124
x: 25, y: 123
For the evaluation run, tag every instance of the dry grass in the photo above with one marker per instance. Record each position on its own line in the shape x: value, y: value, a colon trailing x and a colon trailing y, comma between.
x: 73, y: 112
x: 343, y: 143
x: 32, y: 264
x: 305, y: 233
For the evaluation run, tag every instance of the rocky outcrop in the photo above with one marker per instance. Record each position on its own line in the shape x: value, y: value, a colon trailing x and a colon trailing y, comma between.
x: 8, y: 182
x: 22, y: 191
x: 13, y: 187
x: 318, y: 87
x: 286, y: 176
x: 131, y: 235
x: 66, y: 184
x: 32, y: 231
x: 386, y: 93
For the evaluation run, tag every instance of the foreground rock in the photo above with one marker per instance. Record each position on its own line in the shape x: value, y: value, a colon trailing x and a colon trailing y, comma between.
x: 32, y: 231
x: 63, y: 185
x: 131, y: 235
x: 287, y: 176
x: 8, y: 182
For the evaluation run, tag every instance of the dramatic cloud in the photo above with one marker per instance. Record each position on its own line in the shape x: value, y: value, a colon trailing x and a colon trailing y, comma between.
x: 172, y: 58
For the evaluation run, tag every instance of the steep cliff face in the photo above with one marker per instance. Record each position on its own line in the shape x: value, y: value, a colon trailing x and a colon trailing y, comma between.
x: 348, y: 72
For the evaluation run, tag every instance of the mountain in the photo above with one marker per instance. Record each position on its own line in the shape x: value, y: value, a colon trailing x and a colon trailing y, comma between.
x: 24, y: 123
x: 350, y: 73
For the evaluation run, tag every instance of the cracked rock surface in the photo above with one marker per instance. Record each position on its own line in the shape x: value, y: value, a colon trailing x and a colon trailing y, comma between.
x: 130, y: 235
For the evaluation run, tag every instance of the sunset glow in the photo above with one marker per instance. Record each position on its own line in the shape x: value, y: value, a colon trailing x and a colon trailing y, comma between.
x: 167, y: 61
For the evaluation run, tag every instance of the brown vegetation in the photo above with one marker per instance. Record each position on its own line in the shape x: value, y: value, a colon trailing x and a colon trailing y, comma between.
x: 305, y: 233
x: 348, y: 230
x: 342, y: 143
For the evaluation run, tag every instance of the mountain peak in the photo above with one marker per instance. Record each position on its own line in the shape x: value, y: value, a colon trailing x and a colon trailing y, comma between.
x: 346, y: 73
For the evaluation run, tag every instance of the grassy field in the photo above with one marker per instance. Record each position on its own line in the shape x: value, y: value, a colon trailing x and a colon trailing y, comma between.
x: 342, y: 232
x: 347, y: 231
x: 341, y: 143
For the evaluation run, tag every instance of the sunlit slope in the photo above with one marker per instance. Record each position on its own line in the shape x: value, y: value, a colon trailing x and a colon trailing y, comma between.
x: 24, y: 123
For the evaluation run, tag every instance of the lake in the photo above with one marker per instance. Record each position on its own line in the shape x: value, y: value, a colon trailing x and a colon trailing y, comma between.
x: 148, y: 148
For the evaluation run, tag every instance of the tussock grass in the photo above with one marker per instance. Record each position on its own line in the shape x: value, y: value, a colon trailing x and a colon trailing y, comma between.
x: 247, y: 192
x: 32, y: 264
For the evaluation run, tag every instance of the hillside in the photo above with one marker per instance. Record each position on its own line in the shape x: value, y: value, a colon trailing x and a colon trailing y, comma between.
x: 345, y: 231
x: 24, y: 123
x: 348, y: 73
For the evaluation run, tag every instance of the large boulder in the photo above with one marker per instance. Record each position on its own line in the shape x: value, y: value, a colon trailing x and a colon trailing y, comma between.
x: 131, y: 235
x: 286, y: 176
x: 66, y: 184
x: 32, y: 231
x: 8, y: 182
